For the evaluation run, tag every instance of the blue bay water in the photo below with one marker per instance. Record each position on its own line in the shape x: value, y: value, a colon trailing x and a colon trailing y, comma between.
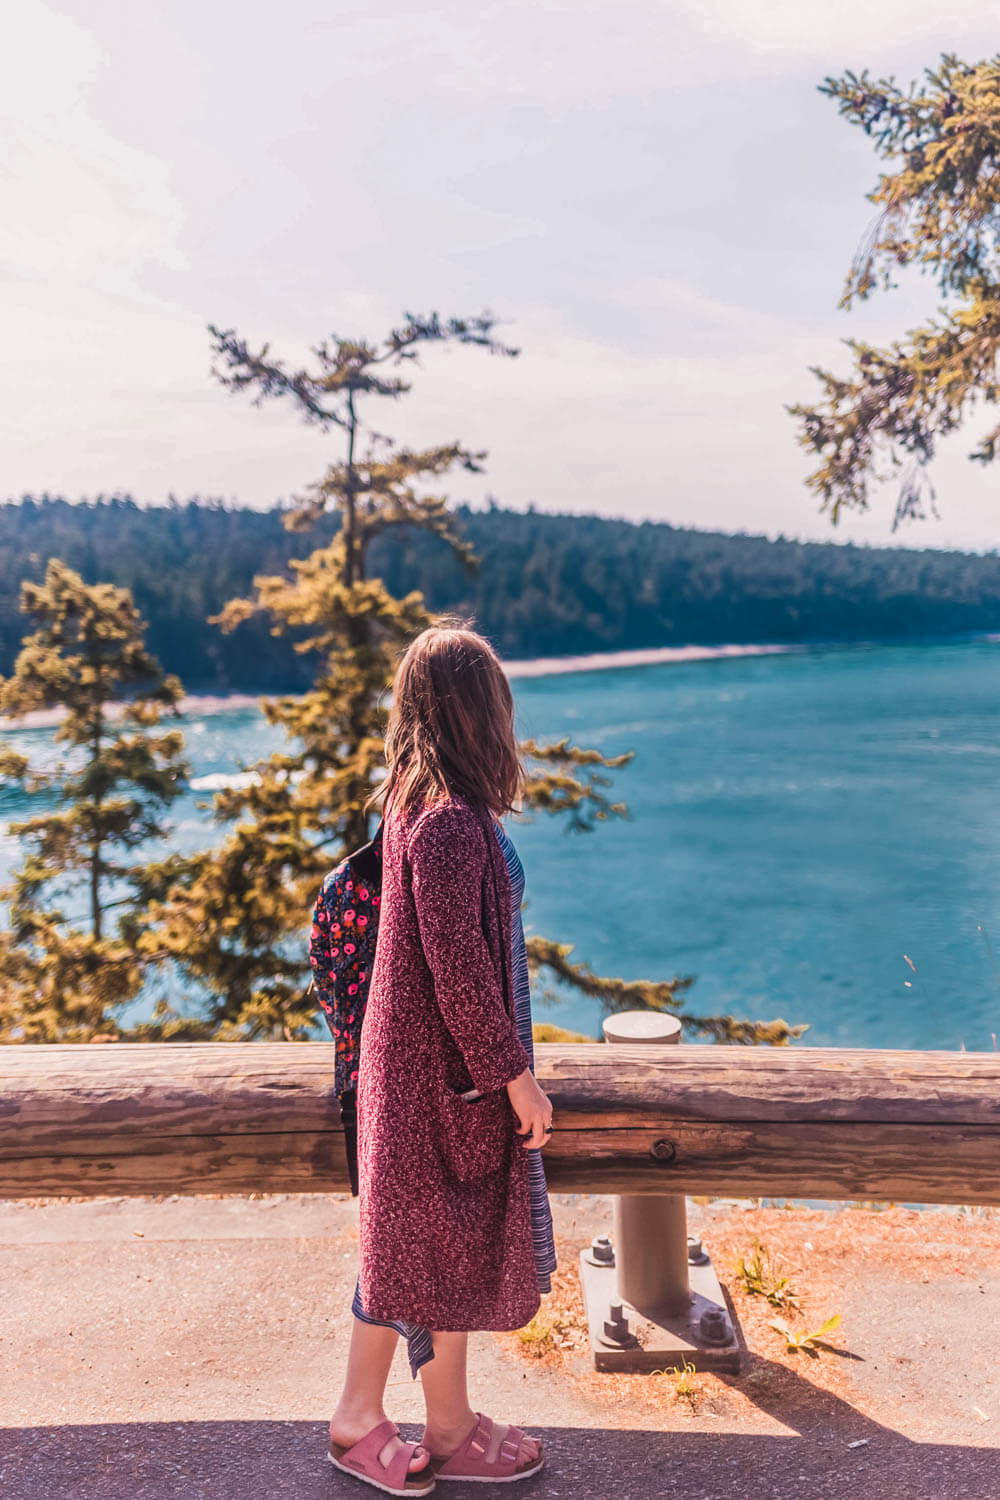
x: 797, y: 824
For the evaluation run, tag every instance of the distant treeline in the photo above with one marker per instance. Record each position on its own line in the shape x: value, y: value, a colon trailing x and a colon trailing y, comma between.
x: 548, y: 585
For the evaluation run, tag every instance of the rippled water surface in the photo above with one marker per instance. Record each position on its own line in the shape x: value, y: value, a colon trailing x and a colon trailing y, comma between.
x: 798, y: 823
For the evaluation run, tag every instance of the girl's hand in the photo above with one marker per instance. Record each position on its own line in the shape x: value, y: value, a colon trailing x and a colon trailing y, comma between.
x: 532, y: 1106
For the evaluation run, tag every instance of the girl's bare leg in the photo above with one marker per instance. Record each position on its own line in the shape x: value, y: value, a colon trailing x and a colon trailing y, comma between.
x: 450, y: 1418
x: 360, y: 1407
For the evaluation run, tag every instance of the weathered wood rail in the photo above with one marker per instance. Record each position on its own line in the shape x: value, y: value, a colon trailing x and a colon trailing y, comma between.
x: 918, y: 1127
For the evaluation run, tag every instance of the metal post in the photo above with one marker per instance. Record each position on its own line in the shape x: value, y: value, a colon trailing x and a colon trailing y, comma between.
x: 651, y: 1248
x: 653, y: 1298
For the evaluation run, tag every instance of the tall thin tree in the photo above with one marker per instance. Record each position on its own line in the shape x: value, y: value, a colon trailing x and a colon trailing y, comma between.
x: 71, y: 956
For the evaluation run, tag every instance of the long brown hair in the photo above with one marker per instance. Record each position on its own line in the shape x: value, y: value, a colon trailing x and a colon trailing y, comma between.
x: 451, y: 724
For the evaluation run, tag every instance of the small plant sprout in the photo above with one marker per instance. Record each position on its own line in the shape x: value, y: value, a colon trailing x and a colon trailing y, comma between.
x: 759, y: 1277
x: 684, y: 1382
x: 807, y: 1343
x: 537, y: 1335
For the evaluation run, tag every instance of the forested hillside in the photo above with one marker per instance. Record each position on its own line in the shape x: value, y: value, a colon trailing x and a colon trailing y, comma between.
x: 548, y: 584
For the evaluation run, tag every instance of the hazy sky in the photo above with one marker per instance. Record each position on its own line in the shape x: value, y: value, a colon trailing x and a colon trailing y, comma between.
x: 653, y: 197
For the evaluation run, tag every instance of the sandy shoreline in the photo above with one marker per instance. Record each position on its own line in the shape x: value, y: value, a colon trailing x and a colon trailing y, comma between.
x: 195, y: 704
x: 552, y: 666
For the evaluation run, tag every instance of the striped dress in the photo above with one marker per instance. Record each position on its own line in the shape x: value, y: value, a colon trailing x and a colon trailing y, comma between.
x: 419, y: 1347
x: 541, y: 1214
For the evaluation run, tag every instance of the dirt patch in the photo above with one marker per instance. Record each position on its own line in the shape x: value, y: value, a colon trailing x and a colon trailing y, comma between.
x: 880, y: 1269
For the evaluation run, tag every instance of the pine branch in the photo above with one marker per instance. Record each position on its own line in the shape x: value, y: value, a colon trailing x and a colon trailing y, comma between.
x: 617, y: 995
x: 938, y: 210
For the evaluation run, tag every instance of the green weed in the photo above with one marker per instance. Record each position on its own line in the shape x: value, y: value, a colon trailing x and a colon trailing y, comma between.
x: 537, y: 1335
x: 807, y: 1343
x: 683, y: 1381
x: 760, y: 1279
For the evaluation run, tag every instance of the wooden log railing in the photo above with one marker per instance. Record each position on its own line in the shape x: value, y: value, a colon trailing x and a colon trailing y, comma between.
x: 918, y: 1127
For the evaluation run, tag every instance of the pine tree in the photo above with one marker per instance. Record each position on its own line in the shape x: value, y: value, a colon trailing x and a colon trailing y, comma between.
x: 939, y: 210
x: 235, y: 918
x: 71, y: 955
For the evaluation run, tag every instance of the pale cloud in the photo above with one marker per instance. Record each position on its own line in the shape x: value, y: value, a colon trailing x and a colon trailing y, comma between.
x: 47, y: 61
x: 850, y: 33
x: 81, y: 206
x: 651, y: 196
x: 682, y: 314
x: 563, y: 50
x: 697, y: 437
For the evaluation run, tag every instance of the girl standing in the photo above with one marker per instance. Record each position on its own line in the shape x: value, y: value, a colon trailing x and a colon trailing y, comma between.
x: 455, y: 1227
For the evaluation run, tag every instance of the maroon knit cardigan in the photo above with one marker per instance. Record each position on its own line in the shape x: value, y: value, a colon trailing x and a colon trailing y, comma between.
x: 444, y: 1198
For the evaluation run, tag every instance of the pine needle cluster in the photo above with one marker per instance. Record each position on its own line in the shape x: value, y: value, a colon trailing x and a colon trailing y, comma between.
x: 938, y: 210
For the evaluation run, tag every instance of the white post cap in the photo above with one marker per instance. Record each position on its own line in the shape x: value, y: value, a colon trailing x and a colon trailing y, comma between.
x: 641, y: 1026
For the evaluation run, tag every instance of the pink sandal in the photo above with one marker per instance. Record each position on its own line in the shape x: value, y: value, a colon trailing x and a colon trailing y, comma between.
x: 485, y: 1458
x: 362, y: 1460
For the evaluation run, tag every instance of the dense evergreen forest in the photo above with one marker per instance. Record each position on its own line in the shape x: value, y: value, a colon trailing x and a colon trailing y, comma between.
x: 548, y: 584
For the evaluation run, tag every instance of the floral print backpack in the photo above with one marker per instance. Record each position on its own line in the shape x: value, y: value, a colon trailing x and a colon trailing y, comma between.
x: 341, y: 953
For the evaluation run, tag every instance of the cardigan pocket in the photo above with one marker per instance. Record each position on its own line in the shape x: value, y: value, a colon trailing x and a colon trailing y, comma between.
x: 475, y: 1133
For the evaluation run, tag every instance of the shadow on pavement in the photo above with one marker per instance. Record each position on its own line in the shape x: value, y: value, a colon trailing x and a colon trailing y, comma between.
x: 286, y: 1461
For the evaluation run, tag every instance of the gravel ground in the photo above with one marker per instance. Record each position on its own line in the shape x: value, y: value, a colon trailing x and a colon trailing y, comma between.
x: 193, y: 1347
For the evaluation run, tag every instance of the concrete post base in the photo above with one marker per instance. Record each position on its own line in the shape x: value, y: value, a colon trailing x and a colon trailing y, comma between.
x: 654, y: 1340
